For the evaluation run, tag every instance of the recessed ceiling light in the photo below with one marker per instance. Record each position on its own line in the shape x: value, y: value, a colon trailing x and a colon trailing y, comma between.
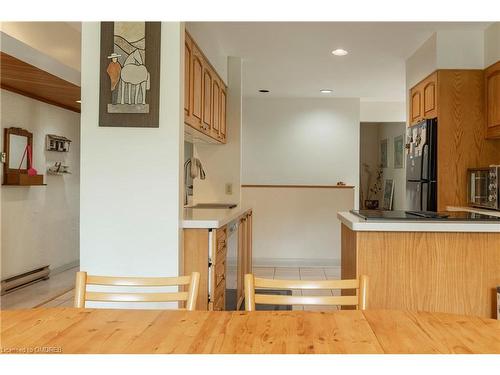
x: 263, y: 90
x: 78, y: 101
x: 326, y: 91
x: 339, y: 52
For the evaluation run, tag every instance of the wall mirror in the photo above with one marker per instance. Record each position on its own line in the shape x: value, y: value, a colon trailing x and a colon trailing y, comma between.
x: 17, y: 156
x: 17, y: 163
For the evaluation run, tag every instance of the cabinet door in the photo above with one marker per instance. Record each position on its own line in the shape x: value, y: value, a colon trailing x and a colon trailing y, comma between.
x: 223, y: 114
x: 207, y: 99
x: 197, y: 88
x: 188, y: 63
x: 492, y: 83
x: 215, y: 131
x: 429, y: 93
x: 415, y: 105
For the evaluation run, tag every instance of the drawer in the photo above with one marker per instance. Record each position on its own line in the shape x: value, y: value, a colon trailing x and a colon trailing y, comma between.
x: 220, y: 272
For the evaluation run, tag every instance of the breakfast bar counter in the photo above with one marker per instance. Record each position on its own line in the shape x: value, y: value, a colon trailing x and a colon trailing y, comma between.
x: 427, y: 265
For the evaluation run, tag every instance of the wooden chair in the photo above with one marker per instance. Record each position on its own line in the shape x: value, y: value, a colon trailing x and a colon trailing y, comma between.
x: 82, y: 295
x: 359, y: 300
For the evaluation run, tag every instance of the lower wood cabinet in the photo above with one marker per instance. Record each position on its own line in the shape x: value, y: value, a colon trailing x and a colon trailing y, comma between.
x: 205, y: 251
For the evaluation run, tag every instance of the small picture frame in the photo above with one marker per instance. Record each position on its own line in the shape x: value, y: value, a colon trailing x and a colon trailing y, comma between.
x: 399, y: 151
x: 383, y: 153
x: 388, y: 194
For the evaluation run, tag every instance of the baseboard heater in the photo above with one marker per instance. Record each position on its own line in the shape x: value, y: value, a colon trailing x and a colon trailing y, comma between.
x: 24, y: 279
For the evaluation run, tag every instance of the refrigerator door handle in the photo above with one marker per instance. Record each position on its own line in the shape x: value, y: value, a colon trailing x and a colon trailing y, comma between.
x: 424, y: 169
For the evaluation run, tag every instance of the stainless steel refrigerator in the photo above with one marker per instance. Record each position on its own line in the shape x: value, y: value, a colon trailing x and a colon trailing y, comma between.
x: 421, y: 166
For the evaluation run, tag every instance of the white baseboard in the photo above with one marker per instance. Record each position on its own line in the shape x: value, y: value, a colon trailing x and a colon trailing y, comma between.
x: 65, y: 267
x: 289, y: 262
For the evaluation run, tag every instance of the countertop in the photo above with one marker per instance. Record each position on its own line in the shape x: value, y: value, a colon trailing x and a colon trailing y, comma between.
x: 211, y: 218
x: 473, y: 209
x: 356, y: 223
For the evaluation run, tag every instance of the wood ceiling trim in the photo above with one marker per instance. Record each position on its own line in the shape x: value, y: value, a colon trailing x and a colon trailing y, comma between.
x: 28, y: 80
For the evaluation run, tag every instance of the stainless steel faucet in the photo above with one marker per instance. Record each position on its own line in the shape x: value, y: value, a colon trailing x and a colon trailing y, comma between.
x: 195, y: 168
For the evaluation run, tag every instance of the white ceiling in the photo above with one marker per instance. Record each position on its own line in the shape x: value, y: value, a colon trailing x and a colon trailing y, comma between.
x: 293, y: 59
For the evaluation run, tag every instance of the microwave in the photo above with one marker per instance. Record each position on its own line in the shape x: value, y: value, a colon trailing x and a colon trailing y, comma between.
x: 483, y: 187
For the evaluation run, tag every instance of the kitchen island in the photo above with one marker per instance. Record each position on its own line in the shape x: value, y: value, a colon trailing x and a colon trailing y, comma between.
x: 425, y: 265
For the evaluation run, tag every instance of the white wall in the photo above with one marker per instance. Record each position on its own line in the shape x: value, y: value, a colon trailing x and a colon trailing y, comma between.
x: 40, y: 224
x: 390, y: 131
x: 422, y: 63
x: 296, y: 226
x: 382, y: 111
x: 369, y: 155
x: 222, y: 163
x: 460, y: 49
x: 300, y: 141
x: 131, y: 195
x: 492, y: 44
x: 202, y: 33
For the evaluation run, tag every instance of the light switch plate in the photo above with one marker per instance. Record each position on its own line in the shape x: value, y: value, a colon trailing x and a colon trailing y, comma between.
x: 229, y: 189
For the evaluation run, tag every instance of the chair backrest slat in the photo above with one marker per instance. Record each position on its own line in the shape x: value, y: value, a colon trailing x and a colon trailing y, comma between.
x: 269, y: 299
x: 136, y: 297
x: 359, y: 285
x: 138, y: 281
x: 306, y: 284
x: 189, y: 296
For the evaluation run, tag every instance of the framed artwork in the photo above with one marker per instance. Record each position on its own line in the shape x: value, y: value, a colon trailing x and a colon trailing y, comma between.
x: 383, y: 153
x: 398, y: 151
x: 388, y: 194
x: 129, y: 90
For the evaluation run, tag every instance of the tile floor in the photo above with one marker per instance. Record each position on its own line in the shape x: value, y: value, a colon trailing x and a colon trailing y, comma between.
x: 58, y: 290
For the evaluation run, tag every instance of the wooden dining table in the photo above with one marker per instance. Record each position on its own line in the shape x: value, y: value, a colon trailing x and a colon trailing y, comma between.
x: 71, y: 330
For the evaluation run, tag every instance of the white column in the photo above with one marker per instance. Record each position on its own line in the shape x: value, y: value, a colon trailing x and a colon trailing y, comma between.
x: 131, y: 202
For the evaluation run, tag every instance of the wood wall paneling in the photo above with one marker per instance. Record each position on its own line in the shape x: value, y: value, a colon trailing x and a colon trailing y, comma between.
x: 28, y: 80
x: 195, y: 259
x: 349, y: 261
x: 462, y: 142
x: 426, y: 271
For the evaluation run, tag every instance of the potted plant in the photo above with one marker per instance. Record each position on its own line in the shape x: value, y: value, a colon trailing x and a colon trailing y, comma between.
x: 371, y: 203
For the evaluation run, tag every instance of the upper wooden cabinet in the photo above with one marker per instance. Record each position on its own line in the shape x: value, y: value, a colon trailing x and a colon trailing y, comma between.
x: 415, y: 105
x: 423, y: 99
x: 205, y: 94
x: 492, y: 85
x: 456, y: 97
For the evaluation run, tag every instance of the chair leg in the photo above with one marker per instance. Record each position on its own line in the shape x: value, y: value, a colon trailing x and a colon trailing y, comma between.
x: 249, y: 292
x: 80, y: 288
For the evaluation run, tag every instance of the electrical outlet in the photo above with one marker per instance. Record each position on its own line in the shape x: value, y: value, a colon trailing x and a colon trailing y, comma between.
x: 229, y: 189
